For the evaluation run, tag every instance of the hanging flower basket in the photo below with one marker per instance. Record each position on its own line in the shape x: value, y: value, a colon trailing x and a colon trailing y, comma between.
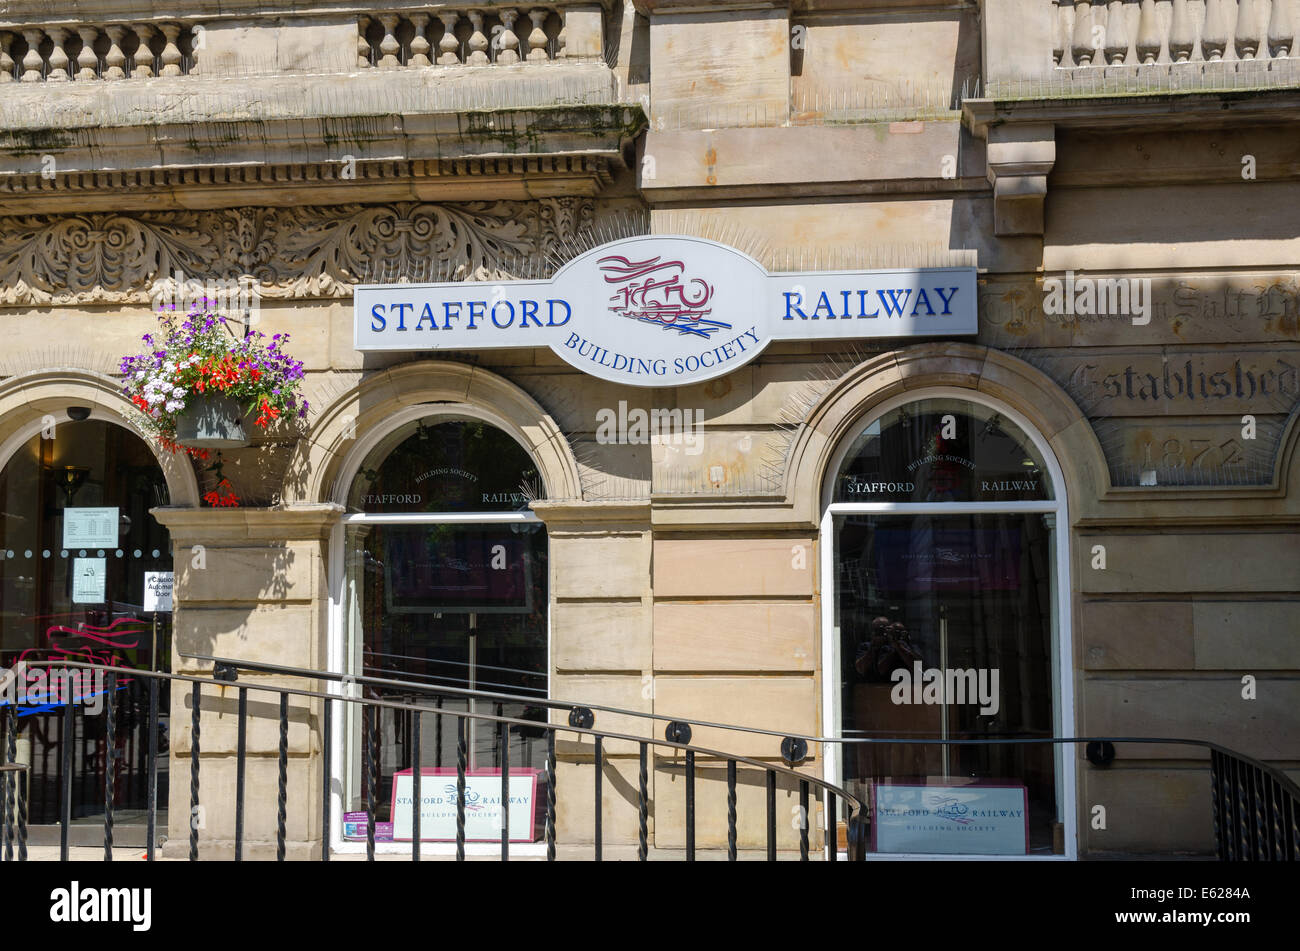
x: 211, y: 421
x: 202, y: 375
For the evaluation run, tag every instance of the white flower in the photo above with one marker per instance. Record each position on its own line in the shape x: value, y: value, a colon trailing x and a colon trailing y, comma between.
x: 178, y: 392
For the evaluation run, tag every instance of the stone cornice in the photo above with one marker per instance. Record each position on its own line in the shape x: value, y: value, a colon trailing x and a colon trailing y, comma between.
x: 514, y: 178
x: 231, y: 526
x: 199, y: 144
x: 1172, y: 110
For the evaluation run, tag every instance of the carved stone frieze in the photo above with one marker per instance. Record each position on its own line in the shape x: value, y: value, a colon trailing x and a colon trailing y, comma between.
x: 301, y: 252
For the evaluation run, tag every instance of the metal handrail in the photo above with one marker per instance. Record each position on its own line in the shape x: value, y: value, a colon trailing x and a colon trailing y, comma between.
x: 689, y: 752
x: 556, y: 704
x: 1256, y: 808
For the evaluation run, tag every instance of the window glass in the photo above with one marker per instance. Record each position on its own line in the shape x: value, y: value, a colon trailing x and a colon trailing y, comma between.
x: 942, y: 450
x: 945, y: 632
x: 457, y: 465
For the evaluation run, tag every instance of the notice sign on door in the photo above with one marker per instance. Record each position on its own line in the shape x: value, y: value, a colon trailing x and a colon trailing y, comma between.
x: 482, y: 805
x: 88, y: 580
x: 90, y: 528
x: 158, y: 590
x: 950, y: 820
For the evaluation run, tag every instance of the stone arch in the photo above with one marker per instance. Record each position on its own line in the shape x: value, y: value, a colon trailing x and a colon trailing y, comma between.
x: 25, y: 401
x: 970, y: 366
x: 368, y: 409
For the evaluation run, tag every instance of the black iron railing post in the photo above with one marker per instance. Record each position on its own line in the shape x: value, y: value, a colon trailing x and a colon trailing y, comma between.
x: 195, y: 813
x: 600, y: 783
x: 241, y: 763
x: 110, y: 738
x: 326, y: 735
x: 643, y: 807
x: 505, y: 792
x: 690, y: 805
x: 370, y: 715
x: 731, y: 810
x: 550, y: 795
x: 282, y: 788
x: 461, y: 727
x: 416, y: 778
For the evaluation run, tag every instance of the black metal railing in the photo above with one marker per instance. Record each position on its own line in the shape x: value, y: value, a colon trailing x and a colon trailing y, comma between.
x: 669, y: 756
x: 1255, y: 808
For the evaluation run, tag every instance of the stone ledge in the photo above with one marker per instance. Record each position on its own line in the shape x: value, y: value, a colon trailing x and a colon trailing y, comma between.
x: 307, y: 522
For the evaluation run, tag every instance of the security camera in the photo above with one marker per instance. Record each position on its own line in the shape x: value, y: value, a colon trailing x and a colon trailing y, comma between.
x: 78, y: 412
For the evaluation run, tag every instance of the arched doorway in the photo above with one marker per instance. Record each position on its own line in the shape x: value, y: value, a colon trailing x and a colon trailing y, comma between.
x: 85, y: 576
x: 445, y: 583
x: 943, y: 583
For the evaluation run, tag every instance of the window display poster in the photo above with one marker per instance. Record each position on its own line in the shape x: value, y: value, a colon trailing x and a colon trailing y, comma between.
x: 974, y: 819
x: 158, y: 590
x: 88, y: 580
x: 438, y: 793
x: 90, y: 528
x: 465, y: 570
x: 926, y: 558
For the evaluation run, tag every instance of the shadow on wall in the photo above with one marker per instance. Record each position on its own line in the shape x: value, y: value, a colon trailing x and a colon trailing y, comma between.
x: 1186, y: 379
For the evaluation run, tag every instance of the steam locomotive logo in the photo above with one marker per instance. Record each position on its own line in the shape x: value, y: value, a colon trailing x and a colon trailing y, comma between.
x: 653, y: 291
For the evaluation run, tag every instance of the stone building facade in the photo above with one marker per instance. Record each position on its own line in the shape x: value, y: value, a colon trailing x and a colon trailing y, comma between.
x: 1121, y: 175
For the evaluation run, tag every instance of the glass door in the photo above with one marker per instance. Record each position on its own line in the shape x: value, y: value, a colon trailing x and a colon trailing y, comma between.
x: 944, y: 627
x: 446, y: 586
x: 85, y: 576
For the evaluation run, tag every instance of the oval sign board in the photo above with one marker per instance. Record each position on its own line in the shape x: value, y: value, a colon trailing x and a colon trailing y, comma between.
x: 661, y: 310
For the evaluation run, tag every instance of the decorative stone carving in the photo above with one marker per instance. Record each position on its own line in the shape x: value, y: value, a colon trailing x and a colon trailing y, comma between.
x: 301, y: 252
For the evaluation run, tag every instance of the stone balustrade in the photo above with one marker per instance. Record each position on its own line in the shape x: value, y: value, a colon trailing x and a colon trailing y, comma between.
x: 1158, y: 32
x: 75, y: 53
x: 476, y: 37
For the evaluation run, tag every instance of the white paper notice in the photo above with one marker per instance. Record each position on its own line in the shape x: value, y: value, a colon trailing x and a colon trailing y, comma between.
x: 158, y: 590
x: 88, y: 576
x: 90, y: 528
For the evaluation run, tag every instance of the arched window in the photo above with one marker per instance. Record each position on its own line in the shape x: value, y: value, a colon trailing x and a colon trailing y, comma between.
x: 446, y: 585
x: 85, y: 575
x: 944, y: 624
x: 942, y: 450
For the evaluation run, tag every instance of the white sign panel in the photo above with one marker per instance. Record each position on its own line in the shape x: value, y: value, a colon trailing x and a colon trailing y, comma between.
x: 90, y: 528
x: 482, y: 805
x: 950, y: 820
x: 158, y: 590
x: 665, y: 311
x: 88, y: 579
